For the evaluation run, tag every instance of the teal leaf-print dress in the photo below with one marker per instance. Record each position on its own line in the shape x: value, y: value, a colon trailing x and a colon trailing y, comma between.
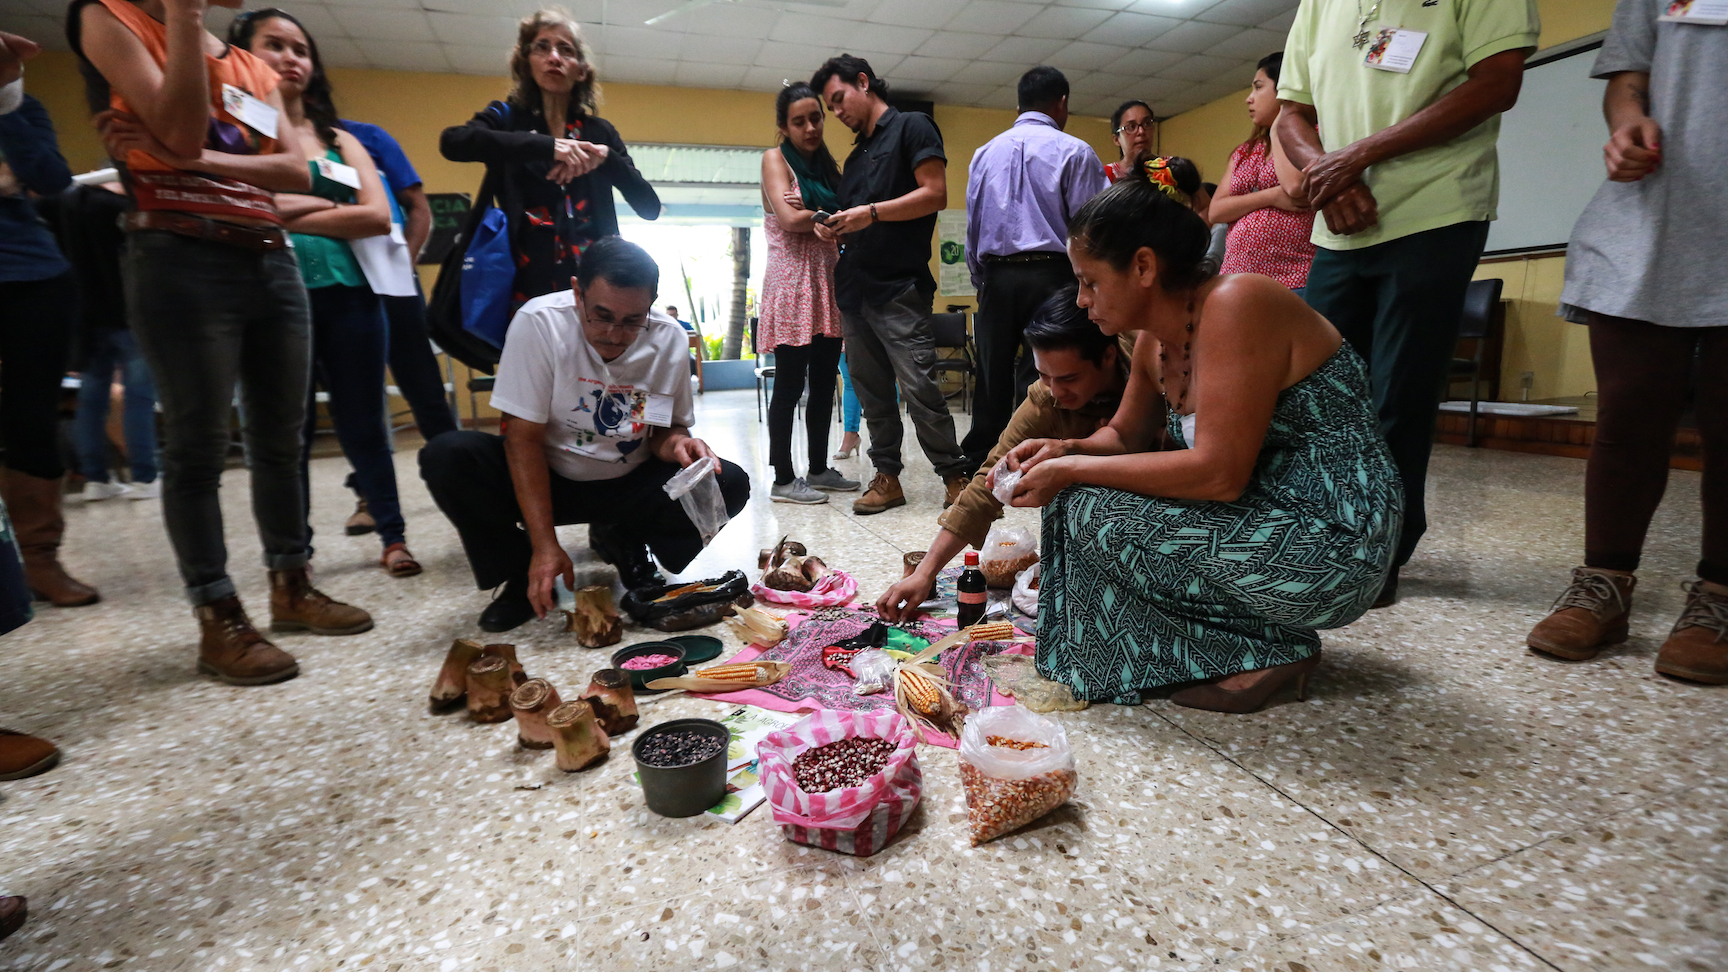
x: 1141, y: 591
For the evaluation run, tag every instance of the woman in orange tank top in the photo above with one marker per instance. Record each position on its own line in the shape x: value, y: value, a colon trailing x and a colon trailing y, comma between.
x: 214, y: 296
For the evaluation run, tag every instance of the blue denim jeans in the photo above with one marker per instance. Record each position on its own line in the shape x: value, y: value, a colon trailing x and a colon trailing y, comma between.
x: 111, y: 350
x: 209, y: 316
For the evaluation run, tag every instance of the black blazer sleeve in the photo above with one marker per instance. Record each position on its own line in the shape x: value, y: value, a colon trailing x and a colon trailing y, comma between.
x: 620, y: 171
x: 488, y: 138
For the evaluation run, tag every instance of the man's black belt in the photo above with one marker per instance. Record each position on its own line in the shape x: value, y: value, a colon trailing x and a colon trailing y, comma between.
x: 1036, y: 256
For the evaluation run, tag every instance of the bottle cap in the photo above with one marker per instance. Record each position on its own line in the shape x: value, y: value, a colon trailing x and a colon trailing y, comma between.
x: 971, y: 558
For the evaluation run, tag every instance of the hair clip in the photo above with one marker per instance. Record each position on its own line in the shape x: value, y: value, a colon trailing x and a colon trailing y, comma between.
x: 1158, y: 173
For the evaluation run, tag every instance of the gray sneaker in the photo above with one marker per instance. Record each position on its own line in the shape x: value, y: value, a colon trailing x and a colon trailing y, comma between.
x: 831, y: 480
x: 796, y: 491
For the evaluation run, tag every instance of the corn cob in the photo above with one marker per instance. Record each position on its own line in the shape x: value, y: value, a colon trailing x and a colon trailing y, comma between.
x: 921, y: 692
x: 757, y: 627
x: 994, y: 631
x: 732, y: 673
x: 677, y: 592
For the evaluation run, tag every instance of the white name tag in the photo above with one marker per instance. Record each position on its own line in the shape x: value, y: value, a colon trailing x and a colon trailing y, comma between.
x: 396, y: 234
x: 1709, y: 12
x: 658, y: 410
x: 337, y: 172
x: 1395, y: 49
x: 256, y: 115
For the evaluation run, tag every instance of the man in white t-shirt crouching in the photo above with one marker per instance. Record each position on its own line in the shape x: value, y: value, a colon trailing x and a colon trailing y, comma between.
x: 595, y: 391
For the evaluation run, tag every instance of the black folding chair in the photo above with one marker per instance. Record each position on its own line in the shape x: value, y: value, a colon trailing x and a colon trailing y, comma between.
x: 1479, y: 303
x: 950, y: 332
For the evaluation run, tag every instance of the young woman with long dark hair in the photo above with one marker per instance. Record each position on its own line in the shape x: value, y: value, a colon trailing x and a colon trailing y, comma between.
x: 1269, y: 231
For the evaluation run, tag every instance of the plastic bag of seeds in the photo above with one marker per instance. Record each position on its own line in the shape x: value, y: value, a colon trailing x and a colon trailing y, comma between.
x: 1017, y: 766
x: 859, y: 818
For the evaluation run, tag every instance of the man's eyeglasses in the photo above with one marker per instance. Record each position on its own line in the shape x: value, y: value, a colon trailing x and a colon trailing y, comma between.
x: 544, y: 48
x: 1134, y: 127
x: 613, y: 325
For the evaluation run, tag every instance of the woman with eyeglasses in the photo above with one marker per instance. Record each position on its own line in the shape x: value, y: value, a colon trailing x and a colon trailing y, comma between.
x: 551, y: 163
x: 350, y: 337
x: 1131, y: 128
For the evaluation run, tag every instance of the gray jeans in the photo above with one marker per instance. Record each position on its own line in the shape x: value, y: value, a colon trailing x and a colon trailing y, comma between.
x: 894, y: 343
x: 207, y: 316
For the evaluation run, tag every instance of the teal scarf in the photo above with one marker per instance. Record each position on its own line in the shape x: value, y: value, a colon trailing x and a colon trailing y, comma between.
x: 818, y: 194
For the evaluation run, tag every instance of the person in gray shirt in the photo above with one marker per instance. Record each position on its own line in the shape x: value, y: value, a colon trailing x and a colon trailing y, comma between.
x: 1643, y: 271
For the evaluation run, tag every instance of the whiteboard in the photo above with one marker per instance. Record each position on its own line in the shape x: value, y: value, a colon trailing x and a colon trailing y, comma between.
x: 1550, y: 154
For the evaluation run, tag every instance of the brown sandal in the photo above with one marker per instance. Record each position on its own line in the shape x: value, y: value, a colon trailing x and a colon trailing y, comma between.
x: 398, y: 561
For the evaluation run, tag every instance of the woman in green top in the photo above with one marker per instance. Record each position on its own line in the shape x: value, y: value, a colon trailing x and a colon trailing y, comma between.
x: 350, y: 340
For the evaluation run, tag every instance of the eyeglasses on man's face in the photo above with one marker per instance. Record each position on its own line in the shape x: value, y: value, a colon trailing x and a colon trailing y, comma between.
x: 544, y: 48
x: 1134, y: 127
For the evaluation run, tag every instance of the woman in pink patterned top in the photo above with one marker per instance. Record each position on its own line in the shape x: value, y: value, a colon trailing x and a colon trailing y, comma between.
x: 1269, y: 232
x: 798, y: 319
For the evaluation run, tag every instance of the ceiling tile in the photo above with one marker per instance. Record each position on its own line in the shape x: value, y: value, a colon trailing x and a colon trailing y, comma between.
x: 703, y: 49
x: 919, y: 68
x: 1004, y: 97
x: 698, y: 75
x: 992, y: 16
x: 1084, y: 56
x: 1249, y: 45
x: 1156, y: 91
x: 638, y: 12
x: 802, y: 28
x: 729, y: 20
x: 316, y: 18
x: 919, y: 13
x: 376, y: 4
x: 883, y: 37
x: 802, y: 58
x: 1281, y: 23
x: 1102, y: 83
x: 342, y: 52
x: 1096, y: 4
x: 641, y: 70
x: 1192, y: 37
x: 615, y: 41
x: 498, y: 33
x: 855, y: 10
x: 385, y: 25
x: 960, y: 93
x: 1130, y: 29
x: 487, y: 60
x: 767, y: 79
x: 1144, y: 62
x: 1213, y: 90
x: 1099, y: 106
x: 1186, y: 9
x: 950, y: 43
x: 1199, y: 67
x: 989, y: 72
x: 882, y: 63
x: 1026, y: 52
x: 406, y: 56
x: 1065, y: 23
x: 1246, y: 13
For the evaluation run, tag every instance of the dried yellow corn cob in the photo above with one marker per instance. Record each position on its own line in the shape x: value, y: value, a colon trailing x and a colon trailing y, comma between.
x: 994, y: 631
x: 921, y: 692
x: 732, y: 673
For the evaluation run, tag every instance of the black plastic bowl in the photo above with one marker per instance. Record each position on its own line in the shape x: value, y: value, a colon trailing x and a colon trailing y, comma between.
x: 683, y: 791
x: 639, y: 679
x: 699, y: 648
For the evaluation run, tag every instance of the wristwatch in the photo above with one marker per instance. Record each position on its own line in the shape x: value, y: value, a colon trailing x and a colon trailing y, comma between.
x: 873, y: 217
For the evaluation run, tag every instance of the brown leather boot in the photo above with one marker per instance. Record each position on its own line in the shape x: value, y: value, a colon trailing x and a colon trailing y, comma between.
x: 956, y: 485
x: 233, y: 651
x: 24, y: 755
x: 34, y: 504
x: 1590, y: 614
x: 295, y: 605
x: 13, y: 910
x: 884, y: 494
x: 1697, y: 648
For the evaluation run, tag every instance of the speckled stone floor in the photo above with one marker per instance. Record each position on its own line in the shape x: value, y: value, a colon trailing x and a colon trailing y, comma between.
x: 1443, y: 800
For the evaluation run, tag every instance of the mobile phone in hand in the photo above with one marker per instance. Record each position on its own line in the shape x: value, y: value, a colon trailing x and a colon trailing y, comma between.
x: 822, y: 216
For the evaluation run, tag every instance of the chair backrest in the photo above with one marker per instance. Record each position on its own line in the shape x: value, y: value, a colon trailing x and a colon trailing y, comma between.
x: 1479, y: 301
x: 949, y: 330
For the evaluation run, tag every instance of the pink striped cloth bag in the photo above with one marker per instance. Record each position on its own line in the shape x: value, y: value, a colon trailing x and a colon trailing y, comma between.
x: 858, y: 820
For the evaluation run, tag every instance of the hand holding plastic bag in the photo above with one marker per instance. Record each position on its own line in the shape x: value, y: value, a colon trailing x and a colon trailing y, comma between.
x: 698, y: 491
x: 1003, y: 482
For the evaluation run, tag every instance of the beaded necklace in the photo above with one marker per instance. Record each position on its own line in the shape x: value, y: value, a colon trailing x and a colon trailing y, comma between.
x: 1187, y: 363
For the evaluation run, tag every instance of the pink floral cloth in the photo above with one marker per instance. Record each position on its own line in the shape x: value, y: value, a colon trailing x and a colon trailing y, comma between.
x: 797, y: 287
x: 1270, y: 240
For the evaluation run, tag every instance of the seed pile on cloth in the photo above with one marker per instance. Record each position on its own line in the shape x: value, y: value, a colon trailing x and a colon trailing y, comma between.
x: 838, y: 765
x: 642, y: 663
x: 680, y: 747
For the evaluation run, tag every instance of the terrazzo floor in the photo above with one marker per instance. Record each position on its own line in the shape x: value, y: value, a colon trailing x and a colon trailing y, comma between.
x: 1443, y: 800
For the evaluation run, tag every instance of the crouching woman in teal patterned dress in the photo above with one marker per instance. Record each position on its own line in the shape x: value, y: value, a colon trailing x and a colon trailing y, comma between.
x: 1272, y: 512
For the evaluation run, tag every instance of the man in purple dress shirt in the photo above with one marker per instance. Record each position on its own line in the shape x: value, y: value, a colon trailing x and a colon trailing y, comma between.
x: 1023, y: 186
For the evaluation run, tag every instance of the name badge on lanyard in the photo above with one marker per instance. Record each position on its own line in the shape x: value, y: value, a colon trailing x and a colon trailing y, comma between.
x: 1395, y: 49
x: 1712, y: 13
x: 256, y: 115
x: 338, y: 172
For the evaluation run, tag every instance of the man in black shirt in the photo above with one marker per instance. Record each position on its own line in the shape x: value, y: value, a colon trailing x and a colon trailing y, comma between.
x: 895, y: 181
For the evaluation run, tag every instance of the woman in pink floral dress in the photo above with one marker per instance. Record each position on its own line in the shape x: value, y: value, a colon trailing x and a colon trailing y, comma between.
x: 798, y: 319
x: 1269, y: 233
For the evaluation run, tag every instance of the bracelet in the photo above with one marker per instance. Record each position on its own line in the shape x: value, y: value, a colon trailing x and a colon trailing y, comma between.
x: 873, y: 216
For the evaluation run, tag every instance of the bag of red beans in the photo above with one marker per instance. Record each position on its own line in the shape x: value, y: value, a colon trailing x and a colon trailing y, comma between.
x: 1016, y: 766
x: 842, y: 781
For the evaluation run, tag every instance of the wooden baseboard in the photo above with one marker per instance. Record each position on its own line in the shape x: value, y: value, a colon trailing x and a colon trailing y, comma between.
x: 1570, y: 437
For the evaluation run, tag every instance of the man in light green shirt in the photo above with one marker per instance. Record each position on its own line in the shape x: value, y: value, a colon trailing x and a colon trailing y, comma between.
x: 1391, y: 112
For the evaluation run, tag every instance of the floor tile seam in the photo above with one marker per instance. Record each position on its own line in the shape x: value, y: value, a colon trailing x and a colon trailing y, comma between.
x: 884, y: 957
x: 1418, y: 880
x: 692, y: 892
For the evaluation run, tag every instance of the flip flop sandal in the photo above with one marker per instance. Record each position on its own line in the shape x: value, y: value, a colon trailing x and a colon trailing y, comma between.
x: 401, y: 566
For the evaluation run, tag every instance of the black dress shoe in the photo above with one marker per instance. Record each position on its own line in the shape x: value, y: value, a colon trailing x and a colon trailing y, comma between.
x: 1388, y: 591
x: 13, y: 911
x: 510, y: 609
x: 635, y: 566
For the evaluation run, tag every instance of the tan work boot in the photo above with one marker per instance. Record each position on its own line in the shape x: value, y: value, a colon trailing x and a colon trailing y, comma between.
x: 1590, y: 614
x: 24, y: 755
x: 233, y: 651
x: 295, y: 605
x: 1697, y: 648
x: 884, y: 494
x: 34, y: 505
x: 956, y: 484
x: 361, y: 523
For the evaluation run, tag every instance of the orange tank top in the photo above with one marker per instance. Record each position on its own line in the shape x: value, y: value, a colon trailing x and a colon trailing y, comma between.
x: 158, y: 186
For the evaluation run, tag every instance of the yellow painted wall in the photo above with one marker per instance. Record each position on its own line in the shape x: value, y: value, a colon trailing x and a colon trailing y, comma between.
x: 1536, y: 340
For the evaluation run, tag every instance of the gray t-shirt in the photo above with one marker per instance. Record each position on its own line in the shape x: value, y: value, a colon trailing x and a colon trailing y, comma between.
x: 1654, y: 250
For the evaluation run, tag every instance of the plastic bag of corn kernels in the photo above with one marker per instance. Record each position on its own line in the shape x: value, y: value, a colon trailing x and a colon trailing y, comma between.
x: 1016, y: 766
x: 859, y: 819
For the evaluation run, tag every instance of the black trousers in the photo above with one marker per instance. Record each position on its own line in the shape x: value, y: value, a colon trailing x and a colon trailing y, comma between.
x: 35, y: 340
x: 469, y: 477
x: 1010, y: 294
x: 1399, y: 303
x: 820, y: 360
x: 415, y: 368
